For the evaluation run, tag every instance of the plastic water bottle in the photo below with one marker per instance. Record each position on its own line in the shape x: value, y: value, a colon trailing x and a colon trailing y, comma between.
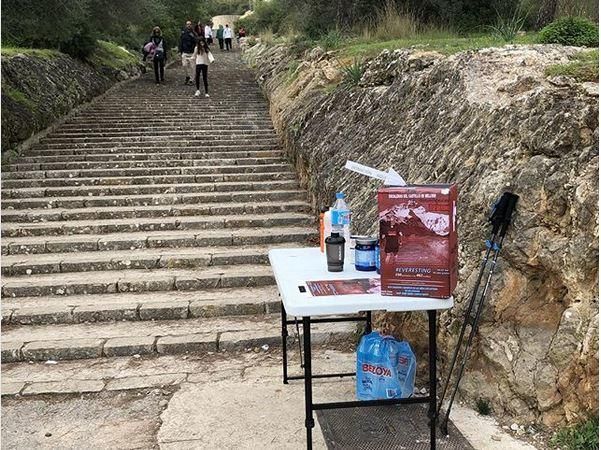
x: 341, y: 223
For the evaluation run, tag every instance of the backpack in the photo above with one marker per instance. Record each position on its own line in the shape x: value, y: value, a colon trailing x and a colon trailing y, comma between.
x: 159, y: 52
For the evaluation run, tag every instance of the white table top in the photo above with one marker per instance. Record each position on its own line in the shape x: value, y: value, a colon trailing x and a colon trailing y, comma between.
x: 295, y: 266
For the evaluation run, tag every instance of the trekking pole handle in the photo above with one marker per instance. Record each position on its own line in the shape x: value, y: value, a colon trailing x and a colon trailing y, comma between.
x: 511, y: 202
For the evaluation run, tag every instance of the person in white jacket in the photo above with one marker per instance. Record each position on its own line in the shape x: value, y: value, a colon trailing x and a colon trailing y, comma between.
x: 209, y: 34
x: 203, y: 57
x: 227, y: 37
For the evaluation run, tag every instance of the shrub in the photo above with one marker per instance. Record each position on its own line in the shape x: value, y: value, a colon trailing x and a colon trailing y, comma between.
x: 584, y: 436
x: 352, y: 73
x: 331, y: 40
x: 81, y: 44
x: 507, y: 28
x: 576, y: 31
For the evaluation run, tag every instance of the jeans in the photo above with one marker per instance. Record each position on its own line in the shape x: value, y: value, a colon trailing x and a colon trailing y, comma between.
x: 220, y: 43
x: 205, y: 72
x: 228, y: 44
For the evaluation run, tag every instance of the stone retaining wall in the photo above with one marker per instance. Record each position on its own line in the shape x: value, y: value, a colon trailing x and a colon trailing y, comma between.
x: 489, y: 121
x: 38, y: 89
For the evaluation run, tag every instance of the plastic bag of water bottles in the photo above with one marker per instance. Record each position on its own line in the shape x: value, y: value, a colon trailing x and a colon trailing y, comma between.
x: 406, y: 365
x: 385, y: 368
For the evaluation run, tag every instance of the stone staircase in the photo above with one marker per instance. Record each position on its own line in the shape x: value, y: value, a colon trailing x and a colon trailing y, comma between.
x: 142, y: 225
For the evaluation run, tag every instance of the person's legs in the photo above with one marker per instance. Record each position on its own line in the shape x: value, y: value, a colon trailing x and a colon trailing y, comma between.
x: 221, y: 43
x: 205, y: 76
x: 228, y: 44
x: 197, y: 77
x: 155, y: 64
x: 162, y: 70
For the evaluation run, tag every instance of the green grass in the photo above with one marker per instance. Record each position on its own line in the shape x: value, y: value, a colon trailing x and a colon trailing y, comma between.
x: 584, y: 436
x: 18, y: 96
x: 446, y: 44
x: 41, y: 52
x: 109, y: 54
x: 584, y: 67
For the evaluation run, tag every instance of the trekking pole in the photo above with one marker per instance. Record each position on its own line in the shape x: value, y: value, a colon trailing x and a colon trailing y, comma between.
x: 503, y: 224
x: 496, y: 218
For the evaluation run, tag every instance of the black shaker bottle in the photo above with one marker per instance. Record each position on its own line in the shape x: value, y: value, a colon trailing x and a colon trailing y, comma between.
x: 335, y: 252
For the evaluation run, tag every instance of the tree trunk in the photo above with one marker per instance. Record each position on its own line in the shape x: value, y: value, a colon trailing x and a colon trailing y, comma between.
x: 546, y: 13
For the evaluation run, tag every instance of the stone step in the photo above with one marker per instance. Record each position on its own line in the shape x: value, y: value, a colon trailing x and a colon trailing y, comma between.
x: 149, y: 171
x: 157, y: 239
x: 147, y: 180
x: 142, y: 280
x: 269, y: 143
x: 145, y: 200
x: 77, y: 227
x: 128, y: 306
x: 172, y: 131
x: 108, y: 124
x: 198, y: 335
x: 144, y: 164
x: 101, y: 213
x: 151, y: 189
x: 155, y: 258
x: 120, y: 152
x: 153, y: 139
x: 147, y: 156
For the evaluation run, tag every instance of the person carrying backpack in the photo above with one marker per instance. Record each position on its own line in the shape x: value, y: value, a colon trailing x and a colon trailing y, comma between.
x: 157, y: 50
x: 203, y: 58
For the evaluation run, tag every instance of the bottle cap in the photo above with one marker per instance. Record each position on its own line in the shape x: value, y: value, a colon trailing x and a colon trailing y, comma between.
x: 335, y: 234
x: 340, y: 195
x: 325, y: 209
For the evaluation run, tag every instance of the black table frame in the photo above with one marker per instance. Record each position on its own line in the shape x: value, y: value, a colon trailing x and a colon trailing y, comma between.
x: 309, y: 376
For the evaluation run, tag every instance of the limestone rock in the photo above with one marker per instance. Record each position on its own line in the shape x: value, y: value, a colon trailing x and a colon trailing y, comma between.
x: 490, y: 121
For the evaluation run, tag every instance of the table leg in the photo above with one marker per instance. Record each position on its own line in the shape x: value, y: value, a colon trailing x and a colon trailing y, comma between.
x: 432, y: 367
x: 309, y: 422
x: 284, y: 346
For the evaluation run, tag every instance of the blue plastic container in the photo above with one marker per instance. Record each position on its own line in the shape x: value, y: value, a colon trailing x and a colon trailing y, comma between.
x: 365, y: 253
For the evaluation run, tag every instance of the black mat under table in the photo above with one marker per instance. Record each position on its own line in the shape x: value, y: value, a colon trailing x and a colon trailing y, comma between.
x: 383, y: 428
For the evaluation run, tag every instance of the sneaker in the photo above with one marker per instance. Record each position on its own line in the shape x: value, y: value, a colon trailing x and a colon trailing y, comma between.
x: 206, y: 95
x: 197, y: 94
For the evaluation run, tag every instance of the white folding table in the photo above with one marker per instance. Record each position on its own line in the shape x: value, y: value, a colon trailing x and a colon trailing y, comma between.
x: 292, y: 269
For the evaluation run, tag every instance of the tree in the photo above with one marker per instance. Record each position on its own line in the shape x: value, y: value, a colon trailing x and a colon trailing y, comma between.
x: 546, y: 13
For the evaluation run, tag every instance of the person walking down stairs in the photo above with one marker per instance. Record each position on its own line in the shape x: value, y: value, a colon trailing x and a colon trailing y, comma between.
x: 227, y: 36
x: 155, y: 48
x: 203, y: 57
x: 220, y: 37
x: 187, y: 42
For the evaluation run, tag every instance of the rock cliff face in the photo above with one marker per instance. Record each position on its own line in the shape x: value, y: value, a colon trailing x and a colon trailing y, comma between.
x: 39, y: 89
x: 489, y: 121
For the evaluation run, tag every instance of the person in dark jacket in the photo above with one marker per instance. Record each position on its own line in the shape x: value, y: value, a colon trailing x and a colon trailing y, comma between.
x: 156, y: 48
x: 187, y: 43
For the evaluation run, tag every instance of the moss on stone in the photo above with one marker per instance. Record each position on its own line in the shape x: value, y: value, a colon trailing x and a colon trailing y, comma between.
x: 113, y: 56
x: 39, y: 52
x: 584, y: 67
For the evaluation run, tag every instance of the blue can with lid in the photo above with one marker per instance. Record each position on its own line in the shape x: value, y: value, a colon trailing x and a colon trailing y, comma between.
x: 365, y: 253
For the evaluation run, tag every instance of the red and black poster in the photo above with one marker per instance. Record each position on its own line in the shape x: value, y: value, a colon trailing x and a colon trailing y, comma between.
x: 344, y: 287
